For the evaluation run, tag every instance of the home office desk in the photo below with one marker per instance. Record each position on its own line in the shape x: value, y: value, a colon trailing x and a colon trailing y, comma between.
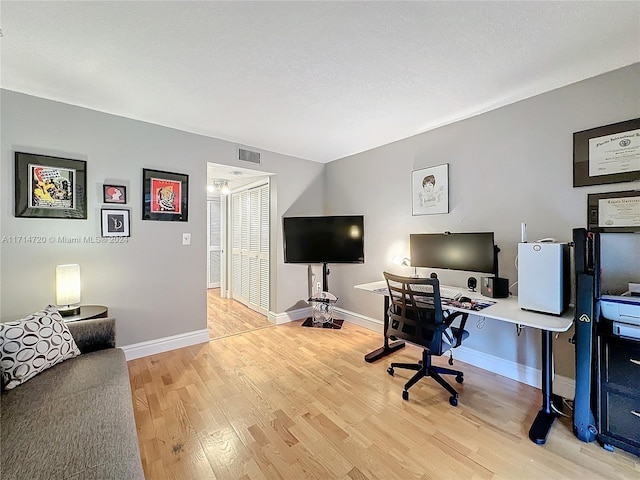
x: 506, y: 310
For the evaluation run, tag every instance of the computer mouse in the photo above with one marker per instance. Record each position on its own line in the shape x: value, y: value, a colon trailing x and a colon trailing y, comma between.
x: 464, y: 300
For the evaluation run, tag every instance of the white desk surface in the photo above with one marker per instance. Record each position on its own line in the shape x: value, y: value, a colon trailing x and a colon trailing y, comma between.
x: 505, y: 309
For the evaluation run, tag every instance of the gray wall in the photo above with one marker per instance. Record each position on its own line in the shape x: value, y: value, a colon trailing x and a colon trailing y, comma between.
x: 507, y: 166
x: 152, y: 284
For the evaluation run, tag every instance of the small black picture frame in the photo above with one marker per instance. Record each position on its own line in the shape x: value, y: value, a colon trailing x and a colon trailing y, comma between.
x: 115, y: 222
x: 165, y: 196
x: 608, y: 154
x: 50, y: 187
x: 114, y: 194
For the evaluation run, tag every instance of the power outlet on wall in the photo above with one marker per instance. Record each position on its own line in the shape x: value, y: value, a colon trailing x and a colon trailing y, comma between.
x: 318, y: 287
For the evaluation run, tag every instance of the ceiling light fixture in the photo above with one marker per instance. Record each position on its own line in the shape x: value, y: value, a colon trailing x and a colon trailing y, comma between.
x: 221, y: 186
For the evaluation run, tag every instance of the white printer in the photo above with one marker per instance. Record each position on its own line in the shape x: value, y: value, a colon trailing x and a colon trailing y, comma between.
x: 543, y: 276
x: 624, y: 312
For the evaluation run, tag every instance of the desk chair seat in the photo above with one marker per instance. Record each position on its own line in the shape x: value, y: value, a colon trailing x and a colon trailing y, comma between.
x: 416, y: 315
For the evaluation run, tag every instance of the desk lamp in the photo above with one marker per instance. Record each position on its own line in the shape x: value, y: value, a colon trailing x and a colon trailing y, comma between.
x: 404, y: 261
x: 68, y: 289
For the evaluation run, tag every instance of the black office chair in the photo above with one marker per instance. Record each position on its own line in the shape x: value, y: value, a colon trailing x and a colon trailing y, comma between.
x: 416, y: 315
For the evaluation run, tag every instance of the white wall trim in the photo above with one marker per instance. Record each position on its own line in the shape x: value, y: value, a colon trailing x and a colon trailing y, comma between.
x: 289, y: 316
x: 562, y: 386
x: 361, y: 320
x: 151, y: 347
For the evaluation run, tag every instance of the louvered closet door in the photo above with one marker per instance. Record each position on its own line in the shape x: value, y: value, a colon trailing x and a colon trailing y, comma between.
x: 214, y: 249
x: 250, y: 255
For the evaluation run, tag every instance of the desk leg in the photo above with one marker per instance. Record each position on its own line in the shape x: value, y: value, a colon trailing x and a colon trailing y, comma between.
x: 542, y: 424
x: 387, y: 348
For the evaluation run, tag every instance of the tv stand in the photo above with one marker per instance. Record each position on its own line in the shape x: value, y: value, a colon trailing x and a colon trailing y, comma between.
x: 317, y: 298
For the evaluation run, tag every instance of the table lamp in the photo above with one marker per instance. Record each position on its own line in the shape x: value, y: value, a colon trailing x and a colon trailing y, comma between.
x: 68, y: 289
x: 404, y: 261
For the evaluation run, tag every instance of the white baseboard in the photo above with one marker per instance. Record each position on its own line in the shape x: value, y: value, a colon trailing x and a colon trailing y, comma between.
x: 144, y: 349
x: 361, y: 320
x: 563, y: 386
x: 290, y: 316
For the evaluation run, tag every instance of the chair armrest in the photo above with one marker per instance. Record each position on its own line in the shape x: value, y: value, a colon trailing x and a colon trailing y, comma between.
x: 460, y: 330
x: 94, y: 334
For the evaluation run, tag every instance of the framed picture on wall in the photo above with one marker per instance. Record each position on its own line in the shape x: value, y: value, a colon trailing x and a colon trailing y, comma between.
x: 614, y: 212
x: 50, y: 187
x: 609, y: 154
x: 115, y: 222
x: 114, y: 194
x: 165, y: 196
x: 430, y: 190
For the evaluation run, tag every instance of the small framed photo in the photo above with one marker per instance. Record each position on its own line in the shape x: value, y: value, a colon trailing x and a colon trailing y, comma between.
x: 609, y: 154
x: 114, y: 194
x: 165, y: 196
x: 115, y: 222
x: 50, y: 187
x: 430, y: 190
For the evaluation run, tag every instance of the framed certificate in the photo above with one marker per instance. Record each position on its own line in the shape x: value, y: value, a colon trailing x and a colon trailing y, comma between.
x: 614, y: 212
x: 609, y: 154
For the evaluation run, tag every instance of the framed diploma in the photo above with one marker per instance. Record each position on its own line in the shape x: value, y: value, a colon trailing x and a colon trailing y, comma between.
x: 614, y: 212
x: 609, y: 154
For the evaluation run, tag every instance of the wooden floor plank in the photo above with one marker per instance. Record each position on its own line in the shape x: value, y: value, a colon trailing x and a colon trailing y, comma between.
x: 289, y: 402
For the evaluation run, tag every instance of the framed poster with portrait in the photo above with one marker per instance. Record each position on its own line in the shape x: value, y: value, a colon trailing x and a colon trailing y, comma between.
x: 430, y: 190
x: 609, y: 154
x: 114, y: 194
x: 165, y: 196
x: 50, y: 187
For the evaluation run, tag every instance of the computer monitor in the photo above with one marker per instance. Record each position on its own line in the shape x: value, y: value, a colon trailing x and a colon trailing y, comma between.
x: 470, y: 252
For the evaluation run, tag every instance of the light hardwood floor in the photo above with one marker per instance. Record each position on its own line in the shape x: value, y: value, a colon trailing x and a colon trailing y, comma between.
x: 300, y: 403
x: 228, y: 317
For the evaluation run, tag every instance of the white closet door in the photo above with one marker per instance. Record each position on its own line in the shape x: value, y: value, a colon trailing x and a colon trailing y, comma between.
x: 214, y: 240
x: 250, y: 249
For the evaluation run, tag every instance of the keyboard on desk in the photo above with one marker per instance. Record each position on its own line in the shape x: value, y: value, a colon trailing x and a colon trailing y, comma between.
x: 448, y: 293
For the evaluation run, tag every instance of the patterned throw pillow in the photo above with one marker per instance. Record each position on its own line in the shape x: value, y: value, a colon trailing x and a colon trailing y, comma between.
x: 33, y: 344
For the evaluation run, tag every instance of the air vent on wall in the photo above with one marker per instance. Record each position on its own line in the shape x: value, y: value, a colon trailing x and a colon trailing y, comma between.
x: 248, y: 155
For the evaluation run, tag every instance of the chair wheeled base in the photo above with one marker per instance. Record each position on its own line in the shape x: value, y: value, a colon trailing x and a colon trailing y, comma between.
x: 426, y: 369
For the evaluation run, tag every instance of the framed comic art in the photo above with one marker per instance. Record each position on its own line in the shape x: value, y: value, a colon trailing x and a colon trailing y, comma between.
x: 609, y: 154
x: 50, y: 187
x: 430, y: 190
x: 115, y: 222
x: 165, y: 196
x: 114, y: 194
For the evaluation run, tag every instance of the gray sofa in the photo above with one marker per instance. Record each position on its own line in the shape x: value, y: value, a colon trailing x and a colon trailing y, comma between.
x: 74, y: 420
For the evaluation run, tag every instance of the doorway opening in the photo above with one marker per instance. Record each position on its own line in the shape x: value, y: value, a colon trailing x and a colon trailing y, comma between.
x: 238, y: 250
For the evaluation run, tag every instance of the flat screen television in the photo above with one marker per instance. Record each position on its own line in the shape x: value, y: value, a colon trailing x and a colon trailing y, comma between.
x: 331, y: 239
x: 470, y: 252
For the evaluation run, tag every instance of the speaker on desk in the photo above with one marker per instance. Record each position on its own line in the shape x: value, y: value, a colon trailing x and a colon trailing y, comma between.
x: 495, y: 287
x: 472, y: 283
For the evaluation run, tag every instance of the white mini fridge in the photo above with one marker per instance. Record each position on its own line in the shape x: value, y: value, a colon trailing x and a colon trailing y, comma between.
x: 543, y: 277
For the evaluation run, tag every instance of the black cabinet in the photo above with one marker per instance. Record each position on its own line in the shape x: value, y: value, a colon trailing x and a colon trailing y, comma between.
x: 619, y: 393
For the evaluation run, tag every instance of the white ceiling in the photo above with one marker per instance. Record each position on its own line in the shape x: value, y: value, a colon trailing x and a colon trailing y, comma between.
x: 317, y: 80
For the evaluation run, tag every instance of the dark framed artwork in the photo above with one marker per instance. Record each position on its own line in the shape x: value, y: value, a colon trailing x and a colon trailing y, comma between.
x: 114, y: 194
x: 115, y: 222
x: 430, y: 190
x: 609, y: 154
x: 165, y: 196
x: 614, y: 212
x: 50, y: 187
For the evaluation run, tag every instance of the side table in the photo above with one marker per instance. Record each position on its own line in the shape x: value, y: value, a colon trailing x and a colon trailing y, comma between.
x: 87, y: 312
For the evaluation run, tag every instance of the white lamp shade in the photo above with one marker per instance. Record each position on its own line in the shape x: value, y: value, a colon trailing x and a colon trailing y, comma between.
x: 68, y: 284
